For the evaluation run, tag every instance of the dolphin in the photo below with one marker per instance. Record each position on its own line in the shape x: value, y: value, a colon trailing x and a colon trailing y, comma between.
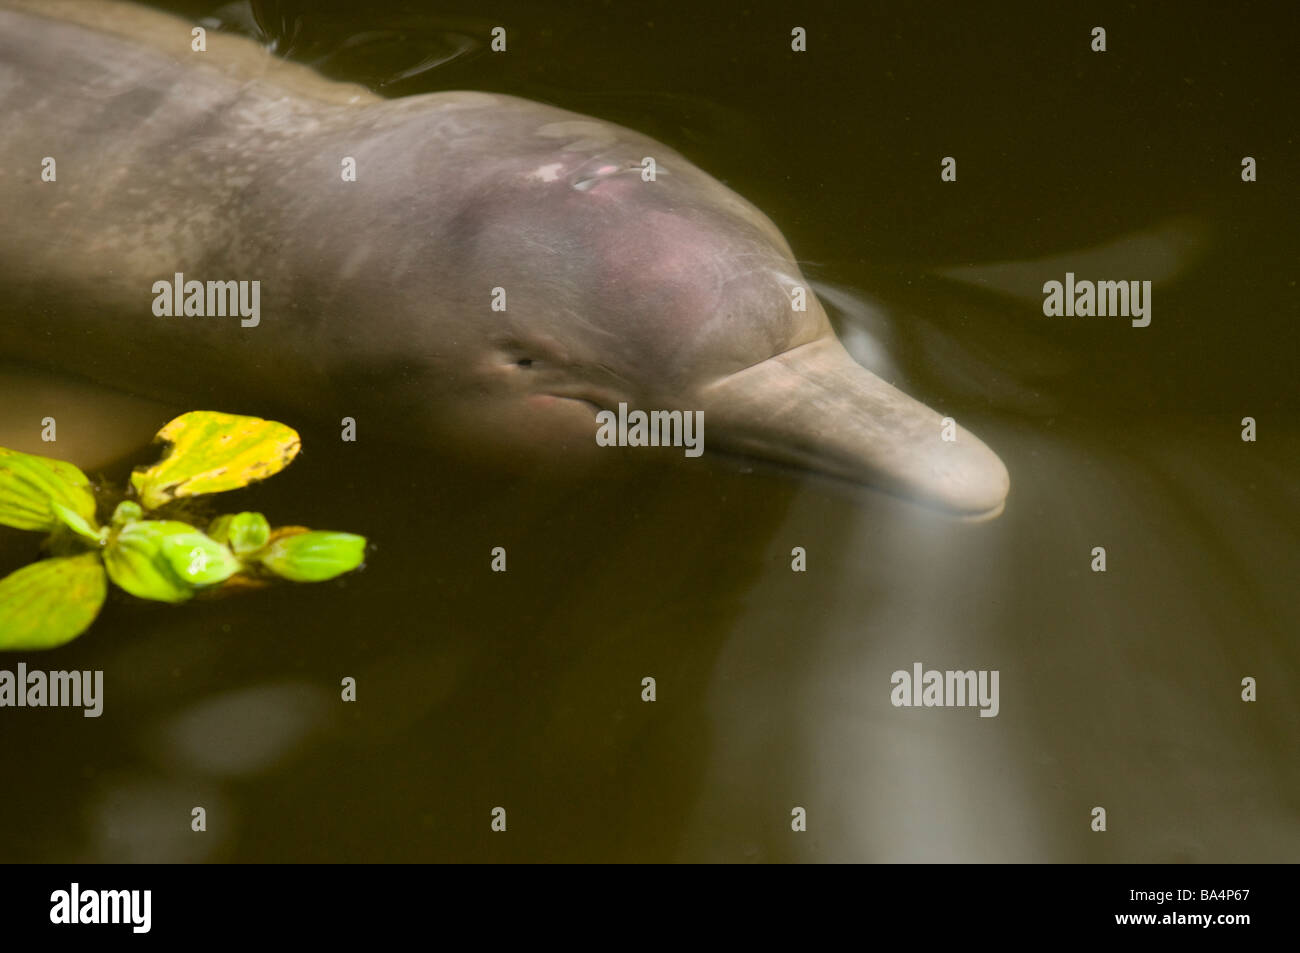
x: 494, y: 273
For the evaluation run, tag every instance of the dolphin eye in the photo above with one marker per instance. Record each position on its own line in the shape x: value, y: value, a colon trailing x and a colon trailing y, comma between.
x: 519, y: 354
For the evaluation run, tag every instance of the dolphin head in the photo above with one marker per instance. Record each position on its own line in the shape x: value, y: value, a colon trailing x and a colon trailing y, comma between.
x: 677, y: 294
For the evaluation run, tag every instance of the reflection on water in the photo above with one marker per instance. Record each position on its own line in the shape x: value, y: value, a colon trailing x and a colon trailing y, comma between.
x: 477, y: 689
x: 1118, y: 690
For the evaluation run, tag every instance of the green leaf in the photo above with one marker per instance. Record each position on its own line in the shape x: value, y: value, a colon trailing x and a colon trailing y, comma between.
x: 314, y: 556
x: 127, y: 512
x: 50, y: 602
x: 166, y: 561
x: 29, y: 484
x: 77, y: 524
x: 213, y: 452
x: 244, y: 532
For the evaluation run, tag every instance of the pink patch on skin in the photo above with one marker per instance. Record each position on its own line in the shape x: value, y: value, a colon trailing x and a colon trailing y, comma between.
x: 606, y: 169
x: 547, y: 173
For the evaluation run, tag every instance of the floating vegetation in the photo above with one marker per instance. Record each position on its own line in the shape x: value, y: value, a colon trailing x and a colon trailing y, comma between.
x: 54, y: 600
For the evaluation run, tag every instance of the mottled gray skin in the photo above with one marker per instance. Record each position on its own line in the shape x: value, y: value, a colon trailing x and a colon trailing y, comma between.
x: 376, y: 293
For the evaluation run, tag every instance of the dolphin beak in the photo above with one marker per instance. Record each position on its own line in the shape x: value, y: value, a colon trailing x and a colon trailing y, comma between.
x: 816, y: 408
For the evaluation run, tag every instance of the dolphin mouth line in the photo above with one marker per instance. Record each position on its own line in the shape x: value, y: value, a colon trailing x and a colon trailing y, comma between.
x: 595, y: 406
x: 807, y: 467
x: 811, y: 472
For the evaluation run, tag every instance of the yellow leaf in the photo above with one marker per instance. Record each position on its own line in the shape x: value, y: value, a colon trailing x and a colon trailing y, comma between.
x: 214, y: 452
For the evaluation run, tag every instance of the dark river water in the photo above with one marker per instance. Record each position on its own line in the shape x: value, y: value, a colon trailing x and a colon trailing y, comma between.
x: 475, y: 689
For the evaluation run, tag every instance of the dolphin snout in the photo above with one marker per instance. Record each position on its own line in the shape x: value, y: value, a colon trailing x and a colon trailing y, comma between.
x: 814, y: 407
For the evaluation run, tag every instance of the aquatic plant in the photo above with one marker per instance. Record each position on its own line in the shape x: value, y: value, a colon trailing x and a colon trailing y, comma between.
x: 54, y: 600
